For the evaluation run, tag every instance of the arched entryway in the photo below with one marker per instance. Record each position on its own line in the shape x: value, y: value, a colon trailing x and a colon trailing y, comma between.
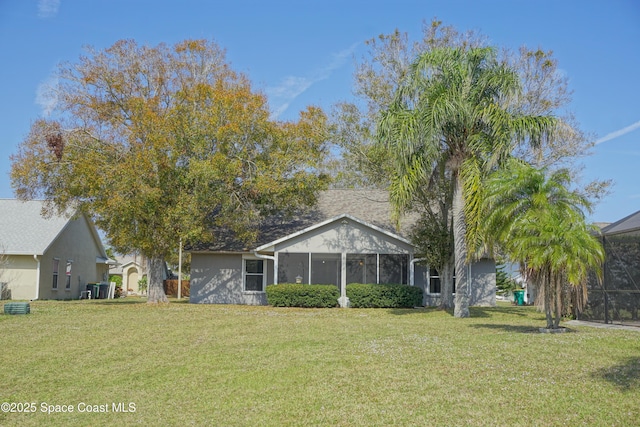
x: 130, y: 280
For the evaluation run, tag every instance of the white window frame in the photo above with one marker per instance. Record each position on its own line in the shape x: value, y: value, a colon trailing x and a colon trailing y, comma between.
x: 432, y: 277
x: 67, y: 286
x: 55, y: 270
x: 246, y: 258
x: 437, y: 276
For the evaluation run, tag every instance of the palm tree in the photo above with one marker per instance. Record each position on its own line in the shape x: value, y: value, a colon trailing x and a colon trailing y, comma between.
x: 453, y: 108
x: 537, y: 221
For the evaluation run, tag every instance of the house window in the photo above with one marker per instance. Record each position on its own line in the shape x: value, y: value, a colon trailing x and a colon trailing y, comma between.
x: 254, y: 277
x: 68, y: 273
x: 56, y: 265
x: 435, y: 283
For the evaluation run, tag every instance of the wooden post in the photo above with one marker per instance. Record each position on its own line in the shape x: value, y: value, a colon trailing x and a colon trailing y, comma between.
x: 180, y: 270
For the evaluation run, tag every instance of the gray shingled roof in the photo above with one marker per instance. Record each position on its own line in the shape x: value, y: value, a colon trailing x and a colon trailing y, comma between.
x: 629, y: 223
x: 370, y: 206
x: 23, y: 229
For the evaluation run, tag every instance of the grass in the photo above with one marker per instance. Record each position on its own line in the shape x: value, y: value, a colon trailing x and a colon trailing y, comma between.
x: 184, y: 364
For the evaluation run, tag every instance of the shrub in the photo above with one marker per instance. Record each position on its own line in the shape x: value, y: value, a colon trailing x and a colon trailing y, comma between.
x: 298, y: 295
x: 117, y: 293
x: 143, y: 284
x: 383, y: 296
x: 116, y: 279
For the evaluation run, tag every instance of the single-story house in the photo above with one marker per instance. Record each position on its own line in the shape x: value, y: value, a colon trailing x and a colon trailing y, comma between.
x: 131, y: 267
x: 348, y: 237
x: 48, y: 257
x: 617, y: 298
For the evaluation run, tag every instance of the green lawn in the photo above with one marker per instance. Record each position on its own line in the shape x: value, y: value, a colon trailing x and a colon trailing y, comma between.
x: 184, y: 364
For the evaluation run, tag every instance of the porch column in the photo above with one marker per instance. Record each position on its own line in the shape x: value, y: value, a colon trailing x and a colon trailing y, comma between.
x: 275, y: 268
x: 343, y: 300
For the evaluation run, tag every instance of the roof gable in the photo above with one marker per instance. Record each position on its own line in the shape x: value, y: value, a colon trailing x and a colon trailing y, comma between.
x: 270, y: 245
x: 25, y: 231
x: 628, y: 223
x: 367, y: 206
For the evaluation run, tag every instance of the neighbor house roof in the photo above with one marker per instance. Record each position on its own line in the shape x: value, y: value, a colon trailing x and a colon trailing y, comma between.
x: 626, y: 224
x: 25, y: 231
x: 122, y: 261
x: 368, y: 205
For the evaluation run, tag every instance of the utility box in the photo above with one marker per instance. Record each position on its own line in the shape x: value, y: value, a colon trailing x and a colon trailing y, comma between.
x: 17, y: 308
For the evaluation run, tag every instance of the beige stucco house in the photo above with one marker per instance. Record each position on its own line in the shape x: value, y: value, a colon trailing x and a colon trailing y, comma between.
x: 47, y: 257
x: 348, y: 237
x: 131, y: 268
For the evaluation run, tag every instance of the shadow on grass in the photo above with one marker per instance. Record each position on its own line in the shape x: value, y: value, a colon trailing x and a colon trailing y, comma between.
x: 490, y: 311
x: 625, y: 375
x: 129, y: 301
x: 477, y: 312
x: 118, y: 301
x: 415, y: 311
x: 520, y: 329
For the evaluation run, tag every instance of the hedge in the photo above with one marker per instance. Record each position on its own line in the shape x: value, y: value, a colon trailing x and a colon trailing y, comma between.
x: 299, y: 295
x: 383, y: 296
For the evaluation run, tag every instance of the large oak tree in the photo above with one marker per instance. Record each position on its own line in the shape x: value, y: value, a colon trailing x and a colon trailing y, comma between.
x: 167, y: 142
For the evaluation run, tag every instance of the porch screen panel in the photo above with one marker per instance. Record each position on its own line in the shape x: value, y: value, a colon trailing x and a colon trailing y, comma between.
x: 617, y: 298
x: 325, y: 269
x: 361, y: 268
x: 394, y: 268
x: 292, y: 266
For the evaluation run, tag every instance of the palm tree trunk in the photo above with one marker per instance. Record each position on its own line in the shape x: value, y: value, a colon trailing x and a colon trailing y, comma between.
x: 460, y: 246
x: 446, y: 285
x: 155, y: 290
x: 558, y: 304
x: 548, y: 300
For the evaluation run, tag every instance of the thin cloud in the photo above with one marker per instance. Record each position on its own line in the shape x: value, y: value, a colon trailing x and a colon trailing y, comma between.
x: 48, y: 8
x: 47, y: 96
x: 619, y: 133
x: 292, y: 87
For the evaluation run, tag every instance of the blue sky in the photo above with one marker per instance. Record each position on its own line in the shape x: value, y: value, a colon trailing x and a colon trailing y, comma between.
x: 303, y: 52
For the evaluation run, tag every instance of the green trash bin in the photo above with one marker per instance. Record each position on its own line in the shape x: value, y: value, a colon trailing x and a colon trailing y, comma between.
x: 518, y: 296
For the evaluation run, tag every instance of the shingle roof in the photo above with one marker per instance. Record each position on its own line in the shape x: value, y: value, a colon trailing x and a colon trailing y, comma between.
x: 23, y: 229
x: 370, y: 206
x: 629, y: 223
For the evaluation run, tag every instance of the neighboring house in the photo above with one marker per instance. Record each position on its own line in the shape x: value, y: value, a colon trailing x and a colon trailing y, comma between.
x: 48, y: 258
x: 617, y: 298
x: 348, y: 237
x: 131, y: 268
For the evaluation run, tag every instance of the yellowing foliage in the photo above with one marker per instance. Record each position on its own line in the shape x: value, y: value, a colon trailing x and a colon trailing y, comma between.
x: 158, y: 143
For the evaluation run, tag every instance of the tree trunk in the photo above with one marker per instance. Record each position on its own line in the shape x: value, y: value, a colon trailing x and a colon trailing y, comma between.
x: 460, y: 246
x: 548, y: 303
x: 558, y: 303
x: 155, y: 289
x: 446, y: 285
